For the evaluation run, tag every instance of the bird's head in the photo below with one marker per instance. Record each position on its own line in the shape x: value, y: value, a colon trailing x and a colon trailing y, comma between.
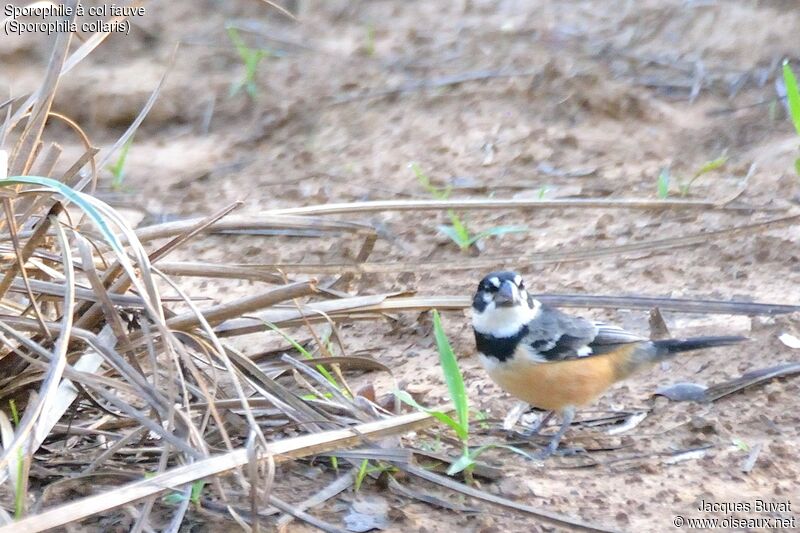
x: 502, y: 306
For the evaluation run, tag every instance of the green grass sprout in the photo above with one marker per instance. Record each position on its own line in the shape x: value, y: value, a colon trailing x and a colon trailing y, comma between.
x: 197, y: 491
x: 542, y: 192
x: 452, y: 374
x: 251, y: 58
x: 457, y: 231
x: 174, y: 497
x: 369, y: 46
x: 742, y: 445
x: 14, y: 413
x: 663, y: 183
x: 665, y: 176
x: 425, y: 181
x: 366, y: 469
x: 481, y: 417
x: 362, y: 473
x: 460, y: 431
x: 118, y: 168
x: 793, y: 97
x: 461, y: 236
x: 309, y: 396
x: 705, y: 168
x: 305, y: 353
x: 458, y: 395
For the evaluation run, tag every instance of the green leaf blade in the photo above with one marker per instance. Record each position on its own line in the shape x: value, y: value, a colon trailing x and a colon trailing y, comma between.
x: 362, y: 473
x: 663, y: 183
x: 305, y: 353
x: 464, y: 462
x: 792, y: 95
x: 497, y: 231
x: 460, y: 227
x: 710, y: 166
x: 406, y: 398
x: 452, y: 374
x: 425, y: 182
x: 454, y: 235
x: 78, y: 198
x: 476, y: 453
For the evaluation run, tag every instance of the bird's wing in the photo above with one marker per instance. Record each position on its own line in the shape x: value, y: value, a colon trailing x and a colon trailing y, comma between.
x: 556, y: 336
x: 610, y: 334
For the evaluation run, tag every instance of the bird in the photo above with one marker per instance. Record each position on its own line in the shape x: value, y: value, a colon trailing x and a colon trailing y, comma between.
x: 556, y: 361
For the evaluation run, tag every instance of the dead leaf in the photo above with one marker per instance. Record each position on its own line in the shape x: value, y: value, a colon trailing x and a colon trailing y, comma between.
x: 683, y: 392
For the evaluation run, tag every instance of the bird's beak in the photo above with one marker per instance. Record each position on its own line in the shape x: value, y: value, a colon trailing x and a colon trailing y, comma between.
x: 505, y: 296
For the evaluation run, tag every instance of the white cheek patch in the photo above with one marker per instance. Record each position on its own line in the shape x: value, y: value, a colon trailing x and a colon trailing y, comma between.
x: 495, y: 282
x: 504, y: 321
x: 517, y: 280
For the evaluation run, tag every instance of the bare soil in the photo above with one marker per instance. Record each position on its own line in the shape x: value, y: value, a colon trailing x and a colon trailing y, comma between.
x: 576, y: 99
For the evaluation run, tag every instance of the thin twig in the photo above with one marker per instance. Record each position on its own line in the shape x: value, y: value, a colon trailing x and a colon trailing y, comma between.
x: 547, y: 516
x: 443, y: 205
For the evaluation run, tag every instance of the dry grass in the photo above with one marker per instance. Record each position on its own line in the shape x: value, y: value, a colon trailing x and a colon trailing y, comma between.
x: 90, y: 389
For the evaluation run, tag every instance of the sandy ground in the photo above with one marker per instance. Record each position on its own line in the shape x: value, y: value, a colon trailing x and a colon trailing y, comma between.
x: 576, y: 99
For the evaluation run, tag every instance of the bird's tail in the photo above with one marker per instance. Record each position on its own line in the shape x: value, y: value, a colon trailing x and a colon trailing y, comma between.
x: 665, y: 348
x: 648, y: 353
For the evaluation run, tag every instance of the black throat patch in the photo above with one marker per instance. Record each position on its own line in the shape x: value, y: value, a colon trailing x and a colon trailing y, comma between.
x: 501, y: 348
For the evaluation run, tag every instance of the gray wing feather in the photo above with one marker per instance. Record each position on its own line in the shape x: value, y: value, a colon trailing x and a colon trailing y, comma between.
x: 608, y: 334
x: 554, y: 335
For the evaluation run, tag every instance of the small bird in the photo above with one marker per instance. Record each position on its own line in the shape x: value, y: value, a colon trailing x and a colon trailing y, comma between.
x: 556, y: 361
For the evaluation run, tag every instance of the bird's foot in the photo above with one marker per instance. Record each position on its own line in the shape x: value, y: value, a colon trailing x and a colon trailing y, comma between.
x: 553, y: 449
x: 569, y: 451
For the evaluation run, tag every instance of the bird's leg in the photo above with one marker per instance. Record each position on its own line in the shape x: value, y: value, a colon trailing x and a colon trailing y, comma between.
x: 567, y: 416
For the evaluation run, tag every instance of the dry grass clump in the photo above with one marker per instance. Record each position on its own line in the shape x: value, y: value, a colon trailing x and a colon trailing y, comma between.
x: 105, y: 382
